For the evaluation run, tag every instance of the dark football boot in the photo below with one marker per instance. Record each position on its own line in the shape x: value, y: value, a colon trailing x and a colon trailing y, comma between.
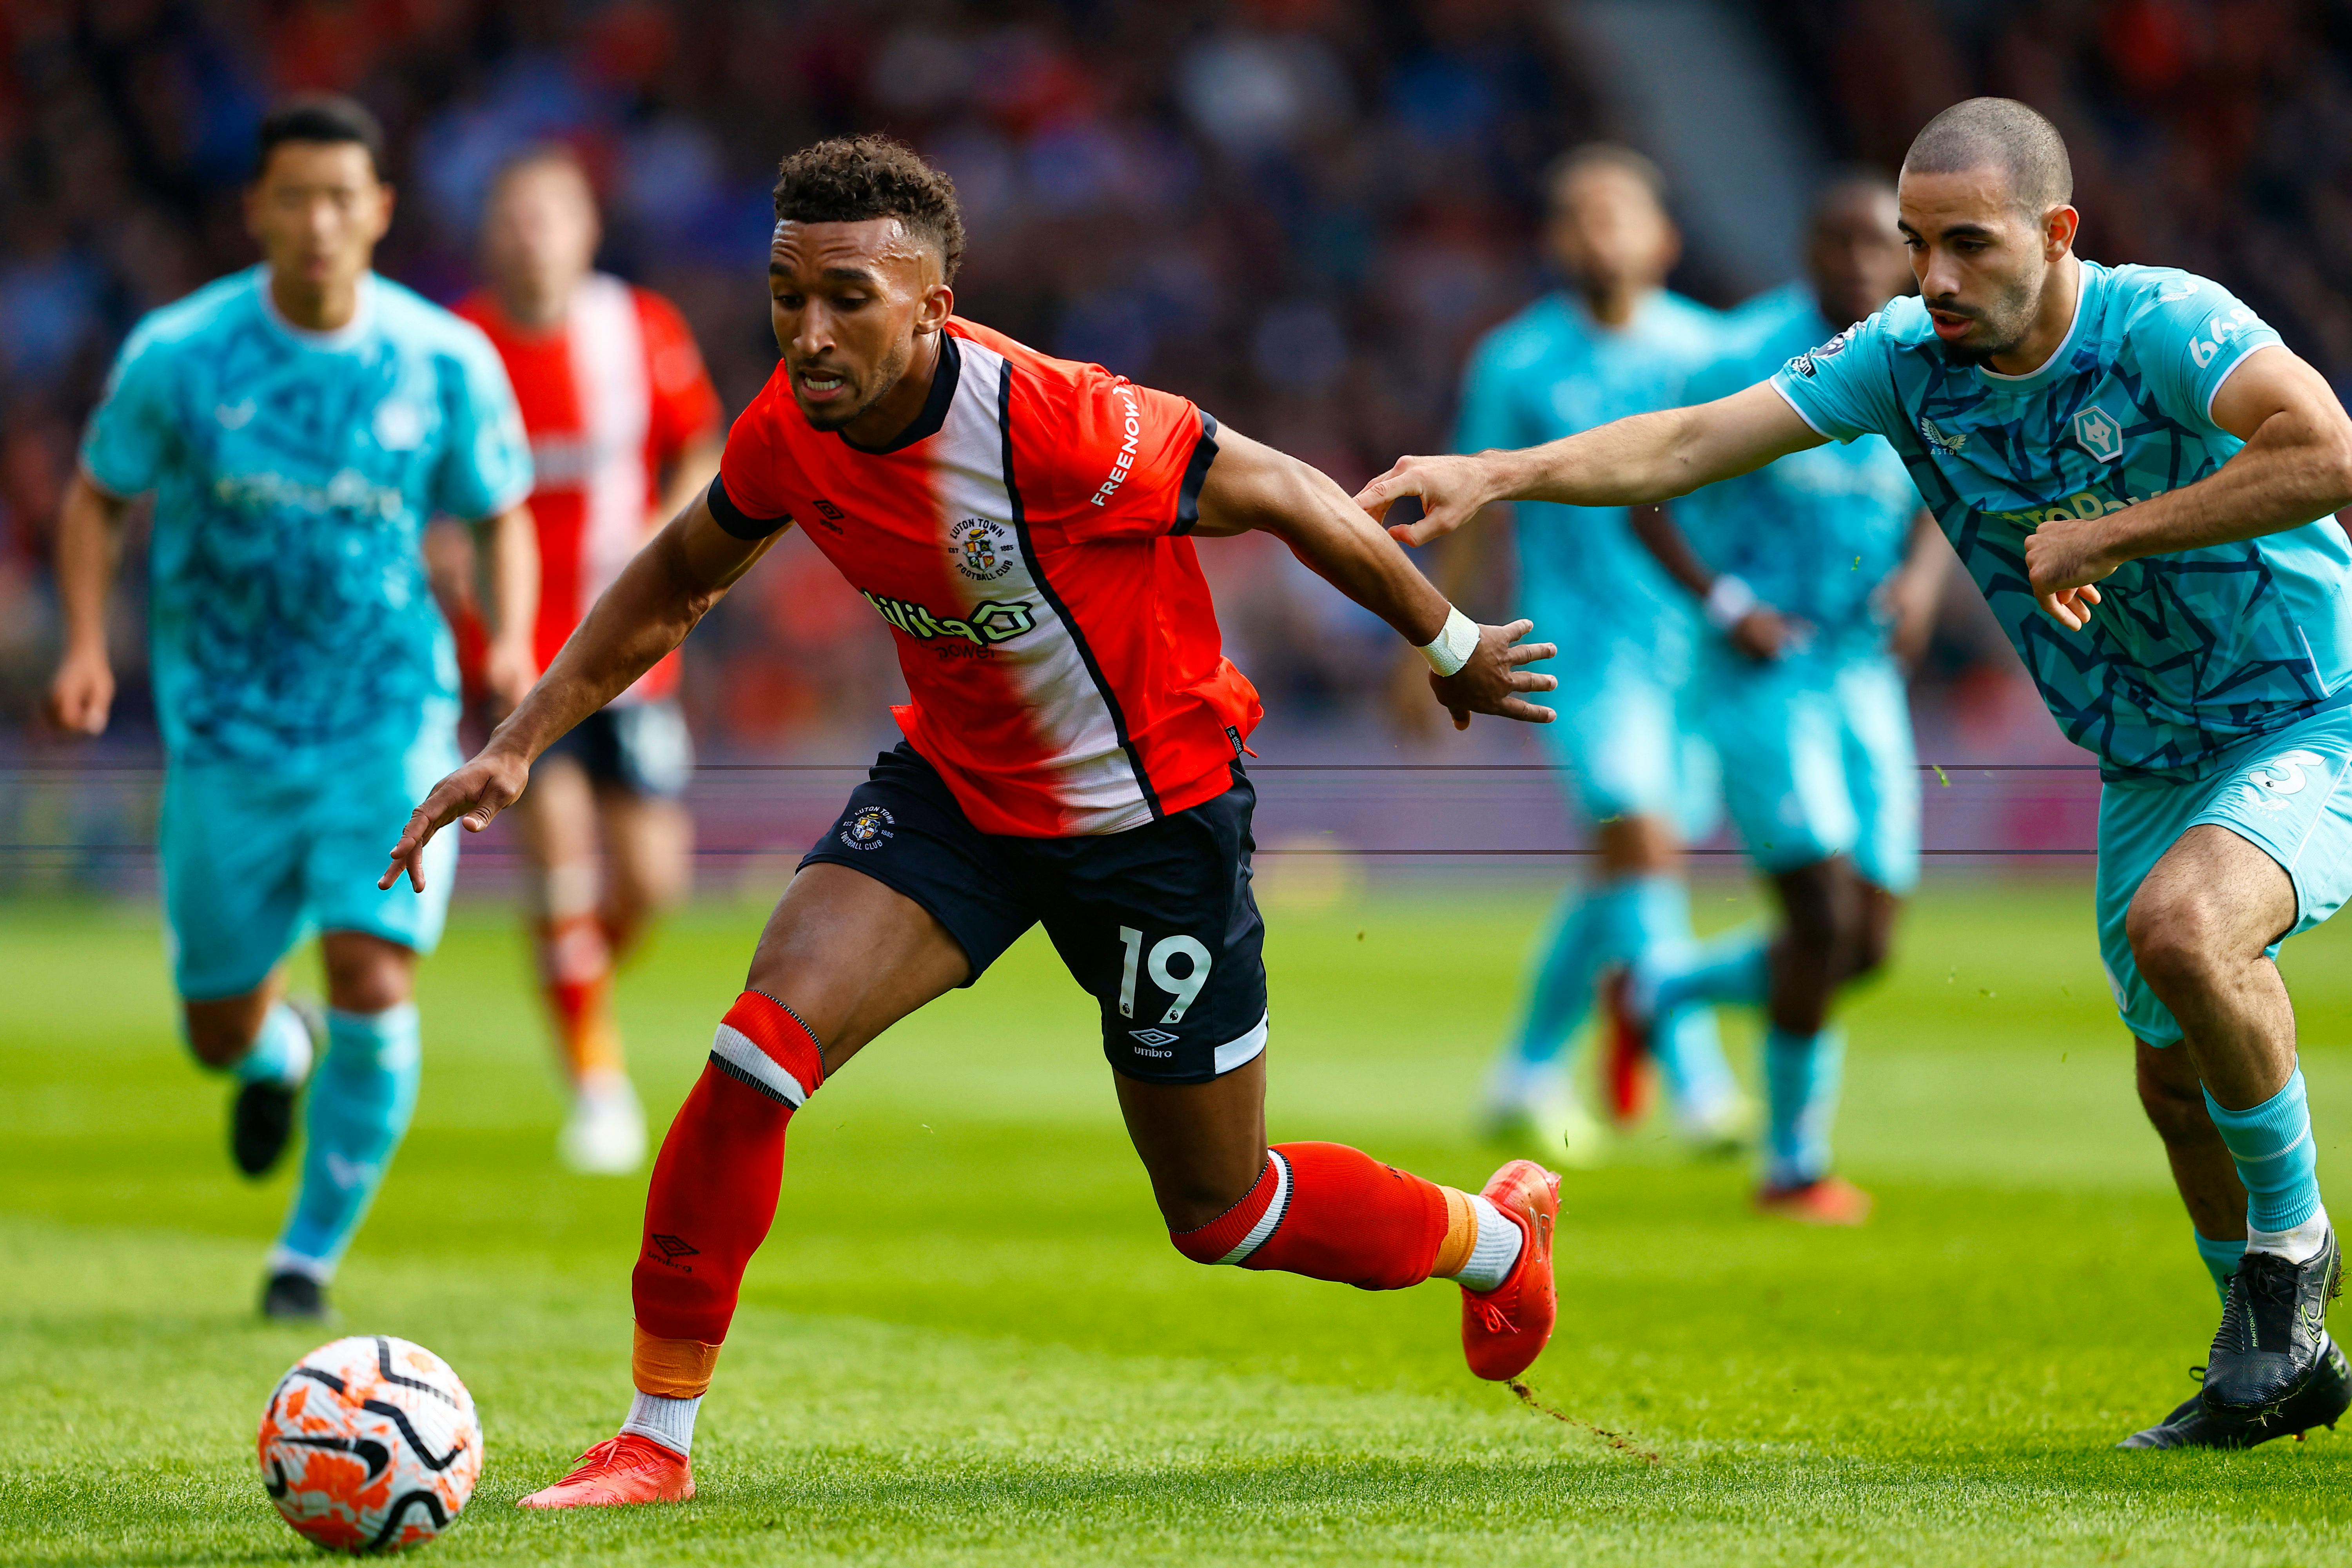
x: 2320, y: 1402
x: 2274, y: 1326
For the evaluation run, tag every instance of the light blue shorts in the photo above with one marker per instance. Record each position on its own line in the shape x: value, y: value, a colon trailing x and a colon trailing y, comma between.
x: 255, y: 859
x: 1817, y: 760
x: 1627, y: 745
x: 2287, y: 793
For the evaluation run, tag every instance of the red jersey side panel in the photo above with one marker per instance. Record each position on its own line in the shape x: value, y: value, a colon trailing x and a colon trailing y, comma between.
x: 610, y: 399
x: 1063, y: 661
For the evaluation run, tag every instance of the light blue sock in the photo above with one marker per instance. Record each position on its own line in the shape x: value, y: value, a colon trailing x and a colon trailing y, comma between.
x: 2221, y: 1260
x: 1688, y: 1048
x: 360, y: 1099
x: 1590, y: 929
x: 1801, y: 1073
x: 1733, y: 969
x: 281, y: 1054
x: 2272, y: 1144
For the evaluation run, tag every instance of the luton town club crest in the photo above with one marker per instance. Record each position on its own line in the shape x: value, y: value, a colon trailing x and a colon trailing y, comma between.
x: 2096, y: 432
x: 983, y: 550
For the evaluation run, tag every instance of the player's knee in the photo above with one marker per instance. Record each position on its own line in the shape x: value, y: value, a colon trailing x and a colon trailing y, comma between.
x: 2178, y: 939
x: 366, y: 975
x: 217, y: 1038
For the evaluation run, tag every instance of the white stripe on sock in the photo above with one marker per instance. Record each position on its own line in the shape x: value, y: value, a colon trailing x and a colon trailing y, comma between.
x: 733, y: 1050
x: 669, y: 1422
x: 1272, y: 1214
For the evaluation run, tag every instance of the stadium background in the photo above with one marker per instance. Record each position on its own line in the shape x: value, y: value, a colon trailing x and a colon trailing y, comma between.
x: 1299, y: 213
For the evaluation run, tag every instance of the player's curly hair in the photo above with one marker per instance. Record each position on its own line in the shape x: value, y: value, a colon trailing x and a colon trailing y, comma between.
x: 848, y: 179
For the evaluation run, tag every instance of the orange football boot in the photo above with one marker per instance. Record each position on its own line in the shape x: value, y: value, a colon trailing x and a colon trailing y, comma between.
x: 1829, y: 1200
x: 624, y: 1470
x: 1631, y: 1077
x: 1503, y: 1330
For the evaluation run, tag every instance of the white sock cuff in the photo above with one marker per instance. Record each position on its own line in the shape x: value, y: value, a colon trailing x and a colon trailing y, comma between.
x: 1494, y: 1252
x: 2297, y: 1245
x: 282, y: 1261
x: 669, y: 1422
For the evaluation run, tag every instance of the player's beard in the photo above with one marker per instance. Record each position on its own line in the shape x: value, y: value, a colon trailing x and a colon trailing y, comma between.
x: 886, y: 375
x: 2006, y: 321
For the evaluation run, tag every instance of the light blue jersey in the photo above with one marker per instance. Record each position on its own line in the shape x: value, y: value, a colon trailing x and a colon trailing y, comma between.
x: 1552, y: 371
x: 294, y: 473
x: 2192, y: 654
x: 1818, y: 533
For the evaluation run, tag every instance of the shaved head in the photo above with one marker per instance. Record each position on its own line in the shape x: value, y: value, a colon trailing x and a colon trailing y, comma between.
x: 1997, y: 133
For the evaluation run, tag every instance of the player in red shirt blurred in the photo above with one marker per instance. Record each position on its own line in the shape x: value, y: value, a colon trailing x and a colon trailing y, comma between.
x: 1073, y: 757
x: 624, y: 432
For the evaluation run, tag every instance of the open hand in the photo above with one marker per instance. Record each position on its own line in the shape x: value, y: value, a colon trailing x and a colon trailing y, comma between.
x: 1451, y: 489
x: 1492, y: 678
x: 2063, y: 558
x: 474, y: 794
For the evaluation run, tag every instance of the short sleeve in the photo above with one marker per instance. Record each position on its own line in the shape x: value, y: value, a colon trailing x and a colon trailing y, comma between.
x: 1130, y: 460
x: 1489, y: 416
x: 685, y: 404
x: 485, y: 464
x: 131, y: 437
x: 1841, y: 388
x: 2189, y: 335
x: 745, y: 499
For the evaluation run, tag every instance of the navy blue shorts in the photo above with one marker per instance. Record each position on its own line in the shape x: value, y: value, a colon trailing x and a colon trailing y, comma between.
x: 640, y: 747
x: 1158, y: 923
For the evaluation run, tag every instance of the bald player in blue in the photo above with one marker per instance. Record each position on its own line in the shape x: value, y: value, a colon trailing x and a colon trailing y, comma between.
x: 1613, y: 343
x: 2140, y: 477
x: 299, y: 423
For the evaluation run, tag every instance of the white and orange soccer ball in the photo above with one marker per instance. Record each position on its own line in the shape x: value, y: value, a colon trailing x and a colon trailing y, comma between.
x: 370, y: 1444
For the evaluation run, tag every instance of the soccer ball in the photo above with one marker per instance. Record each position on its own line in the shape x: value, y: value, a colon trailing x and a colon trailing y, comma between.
x: 370, y: 1444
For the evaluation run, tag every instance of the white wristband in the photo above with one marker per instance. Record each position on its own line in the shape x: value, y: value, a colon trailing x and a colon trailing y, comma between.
x: 1454, y: 643
x: 1729, y: 602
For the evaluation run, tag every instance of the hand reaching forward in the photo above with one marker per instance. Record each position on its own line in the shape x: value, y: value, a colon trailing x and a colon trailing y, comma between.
x: 1451, y: 489
x: 2063, y: 558
x: 474, y: 794
x: 1494, y: 677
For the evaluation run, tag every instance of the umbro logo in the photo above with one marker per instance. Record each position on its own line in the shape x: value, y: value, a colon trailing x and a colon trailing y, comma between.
x: 1154, y: 1036
x: 672, y: 1248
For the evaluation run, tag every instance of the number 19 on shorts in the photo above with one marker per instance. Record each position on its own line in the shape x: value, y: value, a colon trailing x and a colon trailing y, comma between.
x: 1184, y: 988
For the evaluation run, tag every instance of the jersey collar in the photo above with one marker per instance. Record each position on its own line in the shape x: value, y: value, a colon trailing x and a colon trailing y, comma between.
x: 934, y: 407
x: 2060, y: 357
x: 342, y: 337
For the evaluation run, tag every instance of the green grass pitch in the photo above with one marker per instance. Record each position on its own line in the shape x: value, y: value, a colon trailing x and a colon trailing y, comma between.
x: 969, y: 1341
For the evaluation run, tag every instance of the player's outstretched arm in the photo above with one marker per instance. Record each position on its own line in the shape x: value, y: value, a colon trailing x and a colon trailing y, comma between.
x: 1648, y: 457
x: 88, y: 552
x: 2295, y: 466
x: 1474, y: 669
x: 665, y: 589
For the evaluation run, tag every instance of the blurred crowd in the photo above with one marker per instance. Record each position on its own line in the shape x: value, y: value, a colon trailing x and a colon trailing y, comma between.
x: 1298, y: 212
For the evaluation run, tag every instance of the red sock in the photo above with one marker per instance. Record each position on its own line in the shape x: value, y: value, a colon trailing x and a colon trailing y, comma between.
x: 1329, y: 1212
x: 714, y: 1186
x: 575, y: 968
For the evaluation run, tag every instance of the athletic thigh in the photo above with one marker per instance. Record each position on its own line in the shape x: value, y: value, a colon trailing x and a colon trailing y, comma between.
x: 1882, y: 772
x: 555, y: 819
x: 851, y: 956
x: 231, y: 843
x: 1777, y: 730
x: 1160, y: 926
x: 649, y: 848
x: 353, y: 827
